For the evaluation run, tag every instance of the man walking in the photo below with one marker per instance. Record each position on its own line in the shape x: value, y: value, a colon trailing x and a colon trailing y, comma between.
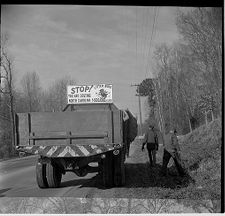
x: 151, y: 139
x: 171, y: 149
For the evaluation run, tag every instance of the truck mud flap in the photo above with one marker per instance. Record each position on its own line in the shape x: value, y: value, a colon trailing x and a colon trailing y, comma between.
x: 107, y: 170
x: 119, y: 169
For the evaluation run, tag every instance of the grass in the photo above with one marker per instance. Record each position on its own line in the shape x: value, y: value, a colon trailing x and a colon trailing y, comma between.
x: 201, y: 155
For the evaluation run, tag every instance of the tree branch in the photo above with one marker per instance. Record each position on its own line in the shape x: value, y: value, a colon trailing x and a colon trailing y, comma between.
x: 3, y: 117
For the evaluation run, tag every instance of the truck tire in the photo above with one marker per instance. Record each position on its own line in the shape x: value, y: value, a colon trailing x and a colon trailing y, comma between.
x: 119, y: 169
x: 41, y: 175
x: 54, y: 175
x: 107, y: 170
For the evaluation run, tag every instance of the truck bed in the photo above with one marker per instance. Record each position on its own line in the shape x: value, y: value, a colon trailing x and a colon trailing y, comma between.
x: 76, y: 133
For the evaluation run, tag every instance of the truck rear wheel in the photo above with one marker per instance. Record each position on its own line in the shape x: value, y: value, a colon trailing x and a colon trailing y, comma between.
x: 107, y: 170
x: 41, y: 175
x: 54, y: 175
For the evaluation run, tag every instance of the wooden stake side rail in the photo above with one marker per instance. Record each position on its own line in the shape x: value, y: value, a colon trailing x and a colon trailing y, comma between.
x: 68, y: 136
x: 33, y: 137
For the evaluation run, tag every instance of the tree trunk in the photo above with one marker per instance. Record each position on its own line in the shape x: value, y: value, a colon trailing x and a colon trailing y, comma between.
x: 12, y: 124
x: 161, y: 125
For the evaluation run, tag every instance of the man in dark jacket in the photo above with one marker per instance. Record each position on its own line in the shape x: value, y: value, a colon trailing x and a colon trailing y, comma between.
x: 171, y: 149
x: 151, y: 139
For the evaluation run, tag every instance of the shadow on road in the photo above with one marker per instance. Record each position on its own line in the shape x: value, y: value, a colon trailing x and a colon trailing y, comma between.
x: 139, y: 176
x: 81, y: 181
x: 142, y: 175
x: 3, y: 191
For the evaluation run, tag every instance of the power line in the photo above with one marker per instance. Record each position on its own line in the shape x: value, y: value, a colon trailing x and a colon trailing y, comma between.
x: 141, y: 33
x: 139, y: 103
x: 151, y: 39
x: 142, y: 39
x: 136, y: 39
x: 154, y: 31
x: 145, y: 39
x: 146, y: 50
x: 157, y: 14
x: 149, y: 50
x: 148, y: 43
x: 141, y: 26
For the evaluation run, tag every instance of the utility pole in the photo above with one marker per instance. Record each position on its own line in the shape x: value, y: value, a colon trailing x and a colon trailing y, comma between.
x: 139, y: 102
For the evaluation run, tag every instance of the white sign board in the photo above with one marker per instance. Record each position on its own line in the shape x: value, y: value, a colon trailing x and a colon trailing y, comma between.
x: 84, y: 94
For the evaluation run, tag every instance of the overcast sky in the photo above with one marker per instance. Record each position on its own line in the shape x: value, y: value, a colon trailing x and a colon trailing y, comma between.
x: 92, y: 44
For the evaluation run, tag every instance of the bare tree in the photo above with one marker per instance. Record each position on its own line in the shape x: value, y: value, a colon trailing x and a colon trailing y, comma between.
x: 162, y: 76
x: 188, y: 73
x: 202, y: 30
x: 7, y: 88
x: 31, y: 91
x: 187, y: 81
x: 55, y: 98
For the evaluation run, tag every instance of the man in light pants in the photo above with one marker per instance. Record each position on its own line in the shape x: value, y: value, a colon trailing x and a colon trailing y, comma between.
x: 151, y: 139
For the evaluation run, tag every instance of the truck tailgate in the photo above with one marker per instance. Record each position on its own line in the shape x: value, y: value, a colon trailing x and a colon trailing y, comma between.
x: 67, y: 134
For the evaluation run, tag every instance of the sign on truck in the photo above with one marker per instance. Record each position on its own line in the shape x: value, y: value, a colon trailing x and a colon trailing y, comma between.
x: 69, y: 141
x: 84, y: 94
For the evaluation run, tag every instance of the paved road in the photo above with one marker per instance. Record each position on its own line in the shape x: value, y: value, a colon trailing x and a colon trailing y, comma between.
x: 145, y: 190
x: 17, y: 179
